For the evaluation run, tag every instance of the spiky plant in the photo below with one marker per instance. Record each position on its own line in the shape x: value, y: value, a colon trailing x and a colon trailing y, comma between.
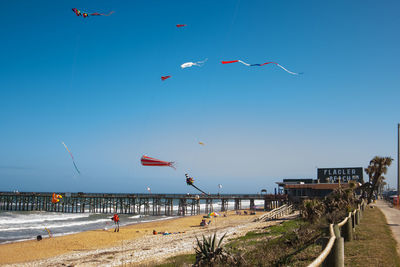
x: 338, y: 204
x: 209, y: 250
x: 312, y: 210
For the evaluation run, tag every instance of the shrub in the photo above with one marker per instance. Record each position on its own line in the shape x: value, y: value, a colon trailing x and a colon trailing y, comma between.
x: 209, y: 252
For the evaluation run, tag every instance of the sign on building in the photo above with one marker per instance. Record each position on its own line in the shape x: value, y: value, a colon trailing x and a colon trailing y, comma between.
x: 333, y: 175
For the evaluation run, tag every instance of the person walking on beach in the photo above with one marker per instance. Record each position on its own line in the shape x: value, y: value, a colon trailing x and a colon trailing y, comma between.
x: 115, y: 218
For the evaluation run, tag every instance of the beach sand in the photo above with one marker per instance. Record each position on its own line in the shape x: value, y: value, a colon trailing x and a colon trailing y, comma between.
x: 134, y: 244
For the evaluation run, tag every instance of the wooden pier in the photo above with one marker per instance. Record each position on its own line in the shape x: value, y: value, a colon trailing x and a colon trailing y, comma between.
x: 148, y: 204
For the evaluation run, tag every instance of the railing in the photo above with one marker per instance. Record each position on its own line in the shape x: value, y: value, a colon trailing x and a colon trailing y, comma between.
x: 152, y: 195
x: 333, y: 253
x: 276, y: 213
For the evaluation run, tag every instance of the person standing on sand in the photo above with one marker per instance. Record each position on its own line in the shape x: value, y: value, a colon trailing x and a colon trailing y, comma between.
x: 115, y: 218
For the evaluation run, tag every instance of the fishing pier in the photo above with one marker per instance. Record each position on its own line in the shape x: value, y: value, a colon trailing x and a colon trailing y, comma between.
x: 146, y: 204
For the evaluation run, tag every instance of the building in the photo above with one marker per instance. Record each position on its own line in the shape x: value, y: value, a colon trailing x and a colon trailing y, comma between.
x: 328, y: 179
x: 297, y: 189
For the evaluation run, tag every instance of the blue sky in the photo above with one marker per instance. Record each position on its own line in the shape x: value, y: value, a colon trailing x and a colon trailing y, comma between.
x: 95, y: 84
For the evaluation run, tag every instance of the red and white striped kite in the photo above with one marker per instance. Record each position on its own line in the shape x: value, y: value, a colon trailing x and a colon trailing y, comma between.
x: 147, y: 161
x: 259, y: 65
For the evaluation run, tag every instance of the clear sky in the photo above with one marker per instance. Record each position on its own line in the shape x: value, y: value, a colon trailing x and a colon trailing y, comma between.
x: 95, y: 84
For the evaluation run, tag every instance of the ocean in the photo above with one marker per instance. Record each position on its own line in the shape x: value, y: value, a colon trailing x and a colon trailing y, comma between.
x: 27, y: 225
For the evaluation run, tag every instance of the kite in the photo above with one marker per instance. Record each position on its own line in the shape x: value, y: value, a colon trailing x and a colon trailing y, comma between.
x: 48, y: 231
x: 190, y: 181
x: 201, y: 143
x: 85, y: 14
x: 191, y: 64
x: 259, y: 65
x: 76, y: 11
x: 180, y: 25
x: 147, y: 161
x: 148, y: 189
x: 163, y: 78
x: 55, y: 198
x: 219, y: 187
x: 72, y: 157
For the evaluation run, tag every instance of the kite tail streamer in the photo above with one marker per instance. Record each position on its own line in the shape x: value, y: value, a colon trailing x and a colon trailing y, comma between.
x: 109, y: 13
x: 200, y: 190
x: 200, y: 63
x: 72, y: 157
x: 288, y: 71
x: 244, y: 63
x: 172, y: 165
x: 68, y: 150
x: 76, y: 168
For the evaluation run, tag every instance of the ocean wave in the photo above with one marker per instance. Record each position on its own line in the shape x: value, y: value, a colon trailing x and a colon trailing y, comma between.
x: 37, y: 218
x: 160, y: 219
x: 137, y: 216
x: 52, y: 226
x: 24, y: 238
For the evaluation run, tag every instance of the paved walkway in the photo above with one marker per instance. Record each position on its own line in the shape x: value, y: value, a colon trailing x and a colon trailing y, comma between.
x: 393, y: 219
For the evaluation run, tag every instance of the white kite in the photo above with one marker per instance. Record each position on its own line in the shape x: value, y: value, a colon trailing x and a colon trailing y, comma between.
x: 191, y: 64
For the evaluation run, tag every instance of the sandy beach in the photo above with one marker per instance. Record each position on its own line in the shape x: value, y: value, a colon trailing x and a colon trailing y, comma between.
x: 134, y: 244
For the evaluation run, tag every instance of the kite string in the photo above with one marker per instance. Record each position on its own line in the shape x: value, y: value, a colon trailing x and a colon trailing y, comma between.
x: 229, y: 31
x: 200, y: 189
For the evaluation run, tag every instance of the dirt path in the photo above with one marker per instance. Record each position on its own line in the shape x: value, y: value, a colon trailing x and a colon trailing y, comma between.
x: 393, y: 219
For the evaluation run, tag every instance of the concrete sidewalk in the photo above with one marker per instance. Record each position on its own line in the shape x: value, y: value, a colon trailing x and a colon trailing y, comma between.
x: 393, y: 219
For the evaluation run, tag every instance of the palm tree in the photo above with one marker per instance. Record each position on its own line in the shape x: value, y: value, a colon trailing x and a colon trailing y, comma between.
x: 377, y: 167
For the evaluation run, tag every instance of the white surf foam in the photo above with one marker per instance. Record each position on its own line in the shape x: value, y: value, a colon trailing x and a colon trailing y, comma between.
x: 7, y: 218
x: 52, y: 226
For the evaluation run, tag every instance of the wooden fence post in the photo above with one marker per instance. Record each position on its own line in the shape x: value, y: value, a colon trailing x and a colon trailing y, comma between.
x: 336, y: 230
x: 338, y: 253
x: 348, y: 230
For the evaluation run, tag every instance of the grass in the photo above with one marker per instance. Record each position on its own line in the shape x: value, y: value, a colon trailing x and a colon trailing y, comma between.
x: 179, y: 260
x: 285, y: 244
x: 374, y: 244
x: 277, y: 245
x: 285, y: 227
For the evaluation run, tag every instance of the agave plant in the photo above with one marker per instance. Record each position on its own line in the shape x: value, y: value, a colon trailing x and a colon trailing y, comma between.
x: 209, y: 250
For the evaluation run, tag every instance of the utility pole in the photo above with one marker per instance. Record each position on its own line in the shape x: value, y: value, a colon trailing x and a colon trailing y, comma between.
x: 398, y: 161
